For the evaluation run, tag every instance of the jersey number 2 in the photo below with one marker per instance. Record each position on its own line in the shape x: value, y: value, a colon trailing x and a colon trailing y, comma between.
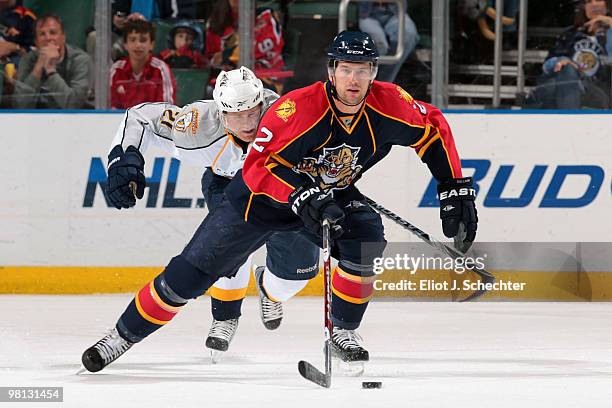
x: 265, y: 139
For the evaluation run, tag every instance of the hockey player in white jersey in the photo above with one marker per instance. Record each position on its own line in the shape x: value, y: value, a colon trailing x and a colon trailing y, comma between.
x: 214, y: 135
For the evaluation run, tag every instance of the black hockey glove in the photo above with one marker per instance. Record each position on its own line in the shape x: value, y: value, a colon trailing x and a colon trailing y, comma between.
x: 126, y: 179
x: 313, y: 205
x: 458, y: 212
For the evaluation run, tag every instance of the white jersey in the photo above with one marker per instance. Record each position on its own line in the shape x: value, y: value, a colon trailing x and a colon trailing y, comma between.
x: 193, y: 134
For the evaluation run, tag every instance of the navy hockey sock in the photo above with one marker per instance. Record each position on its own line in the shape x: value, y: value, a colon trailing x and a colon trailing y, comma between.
x: 160, y: 300
x: 351, y: 294
x: 225, y: 309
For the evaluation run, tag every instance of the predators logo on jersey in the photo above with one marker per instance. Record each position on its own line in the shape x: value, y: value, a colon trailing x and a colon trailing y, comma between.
x: 186, y: 121
x: 285, y: 109
x: 335, y: 168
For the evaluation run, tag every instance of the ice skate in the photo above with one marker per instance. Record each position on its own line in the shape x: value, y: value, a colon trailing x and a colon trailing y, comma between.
x: 348, y: 348
x: 220, y: 336
x: 105, y: 351
x: 271, y: 312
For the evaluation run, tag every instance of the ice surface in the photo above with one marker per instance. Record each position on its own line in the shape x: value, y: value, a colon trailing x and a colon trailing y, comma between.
x: 426, y: 354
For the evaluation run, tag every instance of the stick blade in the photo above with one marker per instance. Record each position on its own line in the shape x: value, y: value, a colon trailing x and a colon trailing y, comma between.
x: 311, y: 373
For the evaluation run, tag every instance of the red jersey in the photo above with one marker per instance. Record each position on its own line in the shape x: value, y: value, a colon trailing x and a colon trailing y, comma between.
x: 269, y: 42
x: 303, y: 138
x: 184, y: 57
x: 154, y: 84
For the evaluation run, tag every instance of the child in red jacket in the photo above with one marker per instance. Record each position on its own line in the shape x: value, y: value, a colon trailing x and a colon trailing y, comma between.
x: 140, y: 77
x: 184, y: 46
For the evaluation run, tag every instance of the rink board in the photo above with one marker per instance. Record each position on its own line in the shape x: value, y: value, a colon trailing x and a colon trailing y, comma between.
x: 537, y: 285
x: 541, y: 178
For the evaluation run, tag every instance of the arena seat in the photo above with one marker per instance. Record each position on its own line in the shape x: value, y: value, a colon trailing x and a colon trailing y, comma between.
x: 190, y: 84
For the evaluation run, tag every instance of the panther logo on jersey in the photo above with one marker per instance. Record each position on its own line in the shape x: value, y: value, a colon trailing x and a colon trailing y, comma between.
x: 587, y: 55
x: 335, y: 168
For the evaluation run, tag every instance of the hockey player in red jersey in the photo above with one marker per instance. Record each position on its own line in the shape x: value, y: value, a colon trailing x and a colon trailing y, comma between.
x: 312, y: 145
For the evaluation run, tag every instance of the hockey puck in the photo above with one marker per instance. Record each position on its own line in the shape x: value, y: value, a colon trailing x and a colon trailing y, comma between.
x: 371, y: 384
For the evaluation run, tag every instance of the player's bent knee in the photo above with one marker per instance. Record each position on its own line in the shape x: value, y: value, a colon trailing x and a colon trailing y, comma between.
x: 185, y: 280
x: 281, y: 289
x: 372, y: 250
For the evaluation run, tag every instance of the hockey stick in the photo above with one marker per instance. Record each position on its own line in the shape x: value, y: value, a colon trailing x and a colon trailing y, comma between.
x: 307, y: 370
x: 486, y: 276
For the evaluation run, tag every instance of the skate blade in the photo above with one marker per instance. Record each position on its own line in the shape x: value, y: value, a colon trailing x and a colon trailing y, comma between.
x: 216, y: 356
x: 348, y: 368
x: 82, y: 370
x: 353, y: 368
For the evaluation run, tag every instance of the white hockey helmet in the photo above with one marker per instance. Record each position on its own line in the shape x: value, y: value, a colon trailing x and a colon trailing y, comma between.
x: 238, y: 90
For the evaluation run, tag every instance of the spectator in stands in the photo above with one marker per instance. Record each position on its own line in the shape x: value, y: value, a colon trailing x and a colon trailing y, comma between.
x: 156, y: 9
x: 16, y: 32
x: 54, y: 76
x: 576, y: 71
x: 484, y: 12
x: 149, y: 10
x: 222, y: 41
x: 381, y: 21
x: 126, y: 10
x: 120, y: 19
x: 221, y: 31
x: 140, y: 77
x: 510, y: 12
x: 184, y: 46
